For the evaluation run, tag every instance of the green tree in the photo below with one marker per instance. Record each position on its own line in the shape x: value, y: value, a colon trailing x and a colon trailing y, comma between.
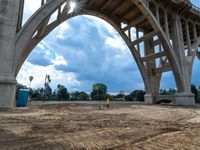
x: 99, y: 91
x: 83, y: 96
x: 109, y: 96
x: 195, y: 92
x: 163, y: 92
x: 62, y: 92
x: 120, y: 96
x: 171, y: 91
x: 137, y: 95
x: 74, y: 95
x: 35, y: 94
x: 129, y: 97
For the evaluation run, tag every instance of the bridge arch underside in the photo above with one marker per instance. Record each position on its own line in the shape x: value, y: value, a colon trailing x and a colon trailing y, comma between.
x: 136, y: 24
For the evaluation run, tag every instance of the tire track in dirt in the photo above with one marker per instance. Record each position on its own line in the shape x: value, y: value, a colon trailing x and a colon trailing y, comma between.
x: 77, y: 126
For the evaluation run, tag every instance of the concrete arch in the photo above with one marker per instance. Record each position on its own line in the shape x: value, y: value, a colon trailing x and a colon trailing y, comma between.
x: 25, y: 41
x: 53, y: 25
x: 33, y: 42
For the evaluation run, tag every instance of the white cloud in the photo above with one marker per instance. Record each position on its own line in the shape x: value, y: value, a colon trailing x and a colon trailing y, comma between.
x: 62, y: 29
x: 32, y: 5
x: 41, y: 45
x: 116, y: 42
x: 101, y: 25
x: 45, y: 45
x: 39, y: 72
x: 60, y: 60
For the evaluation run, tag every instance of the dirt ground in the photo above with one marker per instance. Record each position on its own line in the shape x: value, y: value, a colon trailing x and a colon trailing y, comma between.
x: 83, y: 126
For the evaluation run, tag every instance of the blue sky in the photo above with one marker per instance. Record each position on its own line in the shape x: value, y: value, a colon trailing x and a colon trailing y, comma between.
x: 82, y: 51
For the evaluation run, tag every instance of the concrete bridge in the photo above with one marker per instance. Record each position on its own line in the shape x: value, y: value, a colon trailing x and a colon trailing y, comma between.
x: 161, y: 35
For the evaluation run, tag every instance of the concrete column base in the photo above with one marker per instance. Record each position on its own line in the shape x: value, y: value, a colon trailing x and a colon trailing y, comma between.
x: 184, y: 99
x: 7, y: 93
x: 149, y: 99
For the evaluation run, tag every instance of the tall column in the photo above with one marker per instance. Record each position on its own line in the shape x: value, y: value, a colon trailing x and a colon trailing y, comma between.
x: 166, y: 25
x: 195, y: 32
x: 188, y: 39
x: 150, y: 98
x: 184, y: 95
x: 8, y: 25
x: 137, y: 37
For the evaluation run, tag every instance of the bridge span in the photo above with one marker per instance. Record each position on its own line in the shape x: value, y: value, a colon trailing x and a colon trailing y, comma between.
x: 168, y: 30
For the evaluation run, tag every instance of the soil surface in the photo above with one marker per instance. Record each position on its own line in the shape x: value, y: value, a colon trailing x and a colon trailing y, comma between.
x: 83, y: 126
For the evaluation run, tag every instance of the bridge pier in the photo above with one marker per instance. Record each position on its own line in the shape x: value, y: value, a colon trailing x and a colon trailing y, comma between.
x: 183, y: 99
x: 150, y: 99
x: 184, y: 95
x: 8, y: 25
x: 183, y: 82
x: 7, y: 91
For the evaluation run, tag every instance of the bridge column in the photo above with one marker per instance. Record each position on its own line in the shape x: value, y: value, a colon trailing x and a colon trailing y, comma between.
x: 150, y: 97
x: 184, y: 95
x: 8, y: 26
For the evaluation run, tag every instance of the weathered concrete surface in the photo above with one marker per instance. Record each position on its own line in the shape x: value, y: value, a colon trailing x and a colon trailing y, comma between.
x: 186, y: 99
x: 8, y: 23
x: 7, y: 91
x: 182, y: 99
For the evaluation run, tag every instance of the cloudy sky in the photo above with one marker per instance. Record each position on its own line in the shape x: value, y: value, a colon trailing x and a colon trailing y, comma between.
x: 82, y: 51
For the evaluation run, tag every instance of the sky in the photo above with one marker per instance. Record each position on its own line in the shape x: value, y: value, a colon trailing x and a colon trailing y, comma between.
x: 82, y: 51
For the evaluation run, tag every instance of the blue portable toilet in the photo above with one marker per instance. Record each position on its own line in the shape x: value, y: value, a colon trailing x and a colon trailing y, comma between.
x: 22, y: 98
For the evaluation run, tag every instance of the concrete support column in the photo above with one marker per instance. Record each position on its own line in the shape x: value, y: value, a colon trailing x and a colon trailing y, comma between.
x: 195, y: 32
x: 7, y: 91
x: 185, y: 99
x: 188, y: 39
x: 150, y: 98
x: 166, y: 25
x: 184, y: 95
x: 137, y: 37
x: 9, y: 10
x: 157, y: 15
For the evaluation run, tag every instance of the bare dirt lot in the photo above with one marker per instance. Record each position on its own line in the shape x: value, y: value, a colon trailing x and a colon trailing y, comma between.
x: 74, y: 126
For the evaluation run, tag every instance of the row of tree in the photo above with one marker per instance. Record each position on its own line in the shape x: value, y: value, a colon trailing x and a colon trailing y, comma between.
x: 99, y: 92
